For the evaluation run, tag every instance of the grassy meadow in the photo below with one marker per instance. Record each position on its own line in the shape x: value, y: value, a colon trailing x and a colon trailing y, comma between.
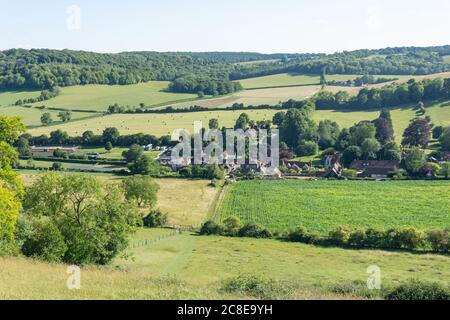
x: 31, y: 117
x: 188, y: 266
x: 321, y: 206
x: 163, y: 124
x: 8, y: 98
x: 99, y: 97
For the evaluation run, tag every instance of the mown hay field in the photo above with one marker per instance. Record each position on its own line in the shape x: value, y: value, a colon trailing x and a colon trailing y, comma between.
x: 321, y: 206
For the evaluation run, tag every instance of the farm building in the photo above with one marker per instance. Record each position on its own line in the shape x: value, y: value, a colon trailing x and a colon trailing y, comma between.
x: 377, y: 169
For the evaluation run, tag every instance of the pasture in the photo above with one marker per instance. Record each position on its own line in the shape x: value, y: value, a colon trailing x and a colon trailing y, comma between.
x: 187, y: 266
x: 31, y: 117
x: 321, y: 206
x: 8, y: 98
x: 289, y: 80
x: 99, y: 97
x: 446, y: 59
x: 163, y: 124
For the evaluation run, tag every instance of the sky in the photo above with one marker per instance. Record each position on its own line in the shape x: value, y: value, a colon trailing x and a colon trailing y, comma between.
x: 266, y: 26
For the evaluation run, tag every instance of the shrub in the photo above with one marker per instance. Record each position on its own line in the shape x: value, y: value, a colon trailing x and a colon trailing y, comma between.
x: 257, y: 287
x: 374, y: 238
x: 57, y: 166
x: 340, y: 236
x: 45, y: 242
x: 419, y: 290
x: 354, y: 288
x: 439, y: 240
x: 301, y: 235
x: 232, y: 225
x: 155, y: 219
x: 358, y: 238
x: 211, y: 228
x: 307, y: 148
x: 349, y: 173
x: 411, y: 238
x: 254, y: 231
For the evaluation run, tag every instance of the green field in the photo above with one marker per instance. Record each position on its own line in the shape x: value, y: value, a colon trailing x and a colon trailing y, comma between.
x: 31, y: 117
x: 162, y: 124
x: 99, y: 97
x: 8, y: 98
x: 191, y: 267
x: 321, y: 206
x: 446, y: 58
x: 287, y: 80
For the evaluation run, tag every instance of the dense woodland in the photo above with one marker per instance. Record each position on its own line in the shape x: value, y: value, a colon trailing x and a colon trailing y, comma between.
x: 44, y: 68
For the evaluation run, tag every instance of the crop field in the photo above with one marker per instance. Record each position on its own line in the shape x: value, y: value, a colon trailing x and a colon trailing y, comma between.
x: 8, y: 98
x: 99, y: 97
x: 321, y: 206
x: 31, y: 117
x: 187, y: 266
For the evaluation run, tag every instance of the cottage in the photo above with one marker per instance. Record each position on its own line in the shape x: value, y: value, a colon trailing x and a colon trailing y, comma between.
x: 377, y: 169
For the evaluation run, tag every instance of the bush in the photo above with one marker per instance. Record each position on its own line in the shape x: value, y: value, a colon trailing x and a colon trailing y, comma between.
x: 307, y: 148
x: 232, y: 226
x: 301, y: 235
x: 254, y: 231
x: 358, y: 238
x: 340, y: 236
x: 45, y: 242
x: 374, y: 238
x: 355, y: 289
x: 419, y: 290
x: 155, y: 219
x: 257, y: 287
x: 211, y: 228
x: 349, y: 173
x: 439, y: 240
x: 411, y: 238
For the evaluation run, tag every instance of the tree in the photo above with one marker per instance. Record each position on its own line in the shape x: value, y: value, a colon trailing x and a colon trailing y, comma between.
x: 344, y: 140
x: 328, y: 133
x: 418, y: 133
x: 444, y: 139
x: 445, y: 170
x: 414, y: 160
x: 416, y: 92
x: 23, y: 147
x: 145, y: 166
x: 297, y: 126
x: 213, y: 124
x: 369, y: 149
x: 65, y: 116
x: 242, y: 122
x: 110, y: 135
x: 307, y: 148
x: 108, y: 146
x: 132, y: 154
x: 11, y: 189
x: 437, y: 132
x: 141, y: 189
x: 350, y: 154
x: 278, y: 118
x: 58, y: 137
x: 87, y: 136
x: 95, y: 221
x: 391, y: 151
x: 384, y: 127
x: 362, y: 131
x: 46, y: 118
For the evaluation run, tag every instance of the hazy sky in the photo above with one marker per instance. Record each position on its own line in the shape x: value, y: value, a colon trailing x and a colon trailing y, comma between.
x: 200, y: 25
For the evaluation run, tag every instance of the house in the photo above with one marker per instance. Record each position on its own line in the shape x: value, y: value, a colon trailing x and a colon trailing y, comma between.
x: 333, y: 167
x: 377, y: 169
x: 41, y: 152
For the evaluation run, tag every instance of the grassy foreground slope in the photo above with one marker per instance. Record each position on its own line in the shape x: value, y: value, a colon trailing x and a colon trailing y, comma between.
x: 99, y: 97
x: 321, y: 206
x: 192, y: 267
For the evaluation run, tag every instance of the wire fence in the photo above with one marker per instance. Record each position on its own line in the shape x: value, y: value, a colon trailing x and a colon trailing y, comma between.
x: 176, y: 230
